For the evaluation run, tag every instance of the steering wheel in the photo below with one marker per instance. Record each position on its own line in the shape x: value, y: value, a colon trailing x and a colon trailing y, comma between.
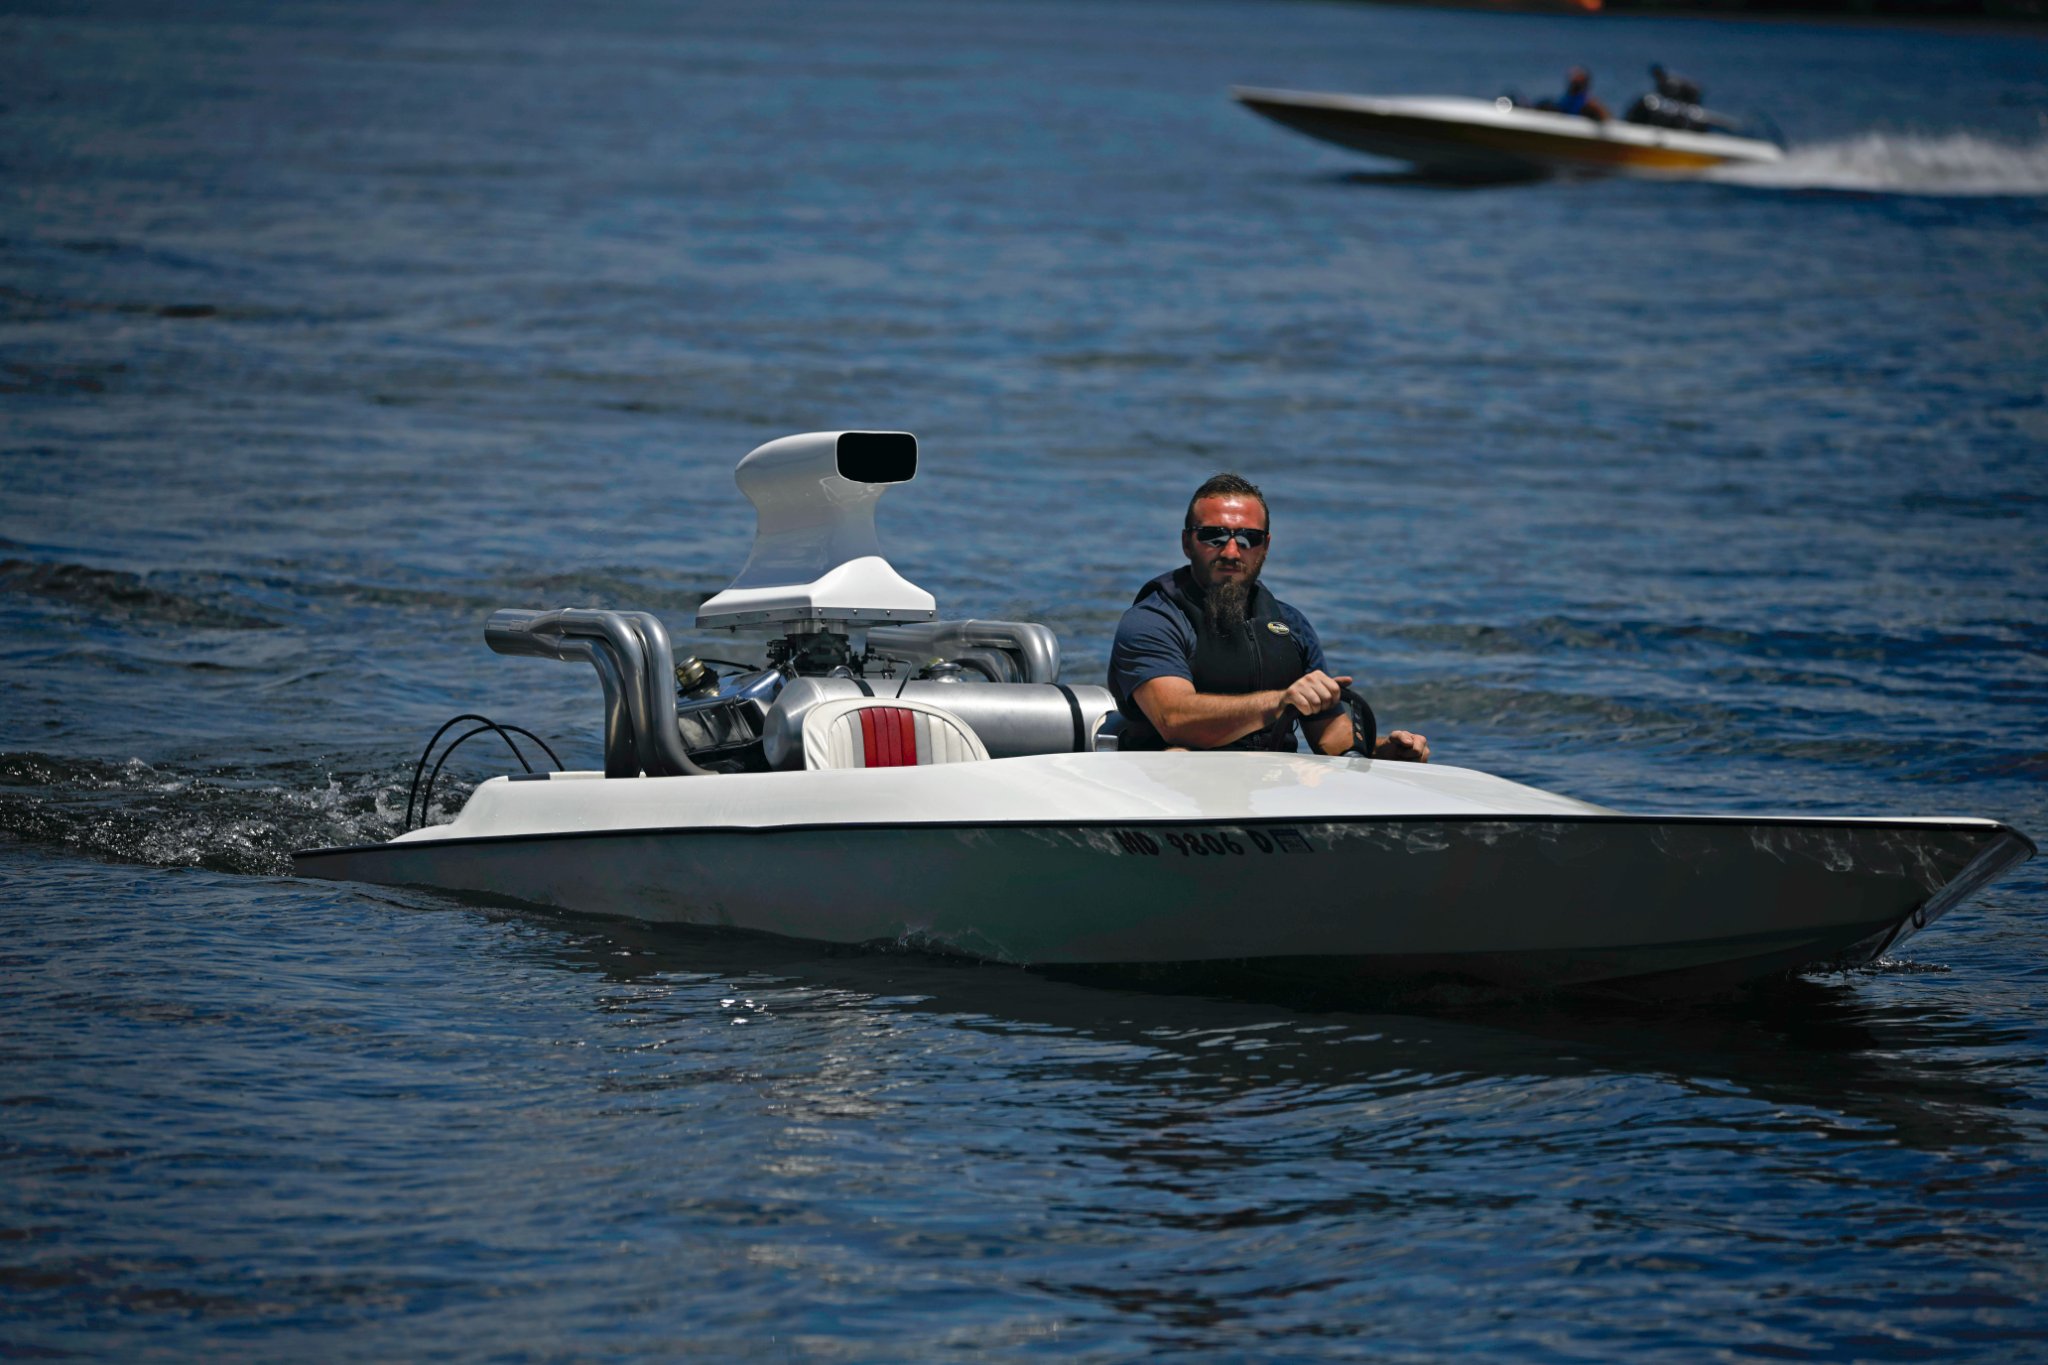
x: 1364, y: 726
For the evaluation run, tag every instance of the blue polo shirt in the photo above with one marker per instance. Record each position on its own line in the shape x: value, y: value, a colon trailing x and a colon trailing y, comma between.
x: 1156, y: 639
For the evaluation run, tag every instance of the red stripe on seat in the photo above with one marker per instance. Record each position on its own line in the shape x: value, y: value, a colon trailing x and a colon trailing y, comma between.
x: 888, y: 736
x: 870, y: 740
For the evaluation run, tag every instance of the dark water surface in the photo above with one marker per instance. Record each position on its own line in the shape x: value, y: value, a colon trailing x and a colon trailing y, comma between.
x: 326, y: 329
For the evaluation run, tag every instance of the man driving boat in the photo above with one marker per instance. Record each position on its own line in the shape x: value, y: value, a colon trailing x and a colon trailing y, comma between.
x: 1207, y: 658
x: 1578, y: 97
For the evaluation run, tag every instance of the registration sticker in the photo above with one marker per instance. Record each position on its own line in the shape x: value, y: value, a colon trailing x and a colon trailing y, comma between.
x: 1215, y: 843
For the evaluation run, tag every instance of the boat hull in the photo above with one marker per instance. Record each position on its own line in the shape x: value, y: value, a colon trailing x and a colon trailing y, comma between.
x: 1531, y: 901
x: 1481, y: 139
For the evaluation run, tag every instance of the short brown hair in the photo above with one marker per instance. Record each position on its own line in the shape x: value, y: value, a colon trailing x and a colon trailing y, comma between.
x: 1226, y: 486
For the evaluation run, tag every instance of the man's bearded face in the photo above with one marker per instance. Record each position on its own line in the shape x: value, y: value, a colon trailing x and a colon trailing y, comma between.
x: 1226, y: 573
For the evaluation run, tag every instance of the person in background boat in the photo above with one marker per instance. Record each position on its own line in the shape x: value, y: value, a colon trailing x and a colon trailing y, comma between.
x: 1207, y: 658
x: 1673, y: 86
x: 1675, y: 103
x: 1578, y: 96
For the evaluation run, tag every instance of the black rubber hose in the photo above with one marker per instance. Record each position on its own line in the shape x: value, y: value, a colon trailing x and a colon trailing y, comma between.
x: 412, y: 795
x: 435, y: 776
x: 426, y: 753
x: 517, y: 730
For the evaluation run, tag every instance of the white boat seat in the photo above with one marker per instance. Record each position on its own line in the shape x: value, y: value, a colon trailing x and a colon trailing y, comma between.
x: 886, y: 732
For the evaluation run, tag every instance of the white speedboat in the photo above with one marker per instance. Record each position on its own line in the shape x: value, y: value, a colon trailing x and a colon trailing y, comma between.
x: 862, y: 791
x: 1460, y: 138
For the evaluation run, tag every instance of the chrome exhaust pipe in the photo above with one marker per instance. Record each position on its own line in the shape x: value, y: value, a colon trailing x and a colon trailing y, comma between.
x: 635, y: 665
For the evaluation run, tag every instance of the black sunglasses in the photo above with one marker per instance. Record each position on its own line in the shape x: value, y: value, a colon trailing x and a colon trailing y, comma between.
x: 1216, y: 537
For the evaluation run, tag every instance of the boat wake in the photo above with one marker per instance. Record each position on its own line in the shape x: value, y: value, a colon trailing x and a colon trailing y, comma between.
x: 225, y: 820
x: 1904, y: 163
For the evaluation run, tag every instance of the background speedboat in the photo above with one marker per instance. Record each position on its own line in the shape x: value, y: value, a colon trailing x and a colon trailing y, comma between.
x: 1047, y: 848
x: 1456, y: 137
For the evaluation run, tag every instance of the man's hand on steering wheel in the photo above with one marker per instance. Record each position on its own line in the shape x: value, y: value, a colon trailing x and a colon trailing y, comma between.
x: 1314, y: 693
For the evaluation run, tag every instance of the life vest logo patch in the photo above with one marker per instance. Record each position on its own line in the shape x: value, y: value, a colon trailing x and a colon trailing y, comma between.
x: 1278, y: 627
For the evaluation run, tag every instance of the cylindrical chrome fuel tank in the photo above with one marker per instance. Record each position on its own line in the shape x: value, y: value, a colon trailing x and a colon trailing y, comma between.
x: 1012, y: 719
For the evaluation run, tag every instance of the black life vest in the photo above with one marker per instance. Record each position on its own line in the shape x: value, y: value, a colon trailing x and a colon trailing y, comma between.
x: 1256, y: 657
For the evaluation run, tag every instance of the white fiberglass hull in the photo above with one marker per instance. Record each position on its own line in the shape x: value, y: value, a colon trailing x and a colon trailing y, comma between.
x: 1454, y: 136
x: 1331, y: 869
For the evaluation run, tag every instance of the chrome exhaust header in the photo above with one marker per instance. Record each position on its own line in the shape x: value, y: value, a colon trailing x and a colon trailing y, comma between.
x: 636, y: 667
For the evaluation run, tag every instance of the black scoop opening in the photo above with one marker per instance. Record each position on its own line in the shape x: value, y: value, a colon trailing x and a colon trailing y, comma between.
x: 877, y: 456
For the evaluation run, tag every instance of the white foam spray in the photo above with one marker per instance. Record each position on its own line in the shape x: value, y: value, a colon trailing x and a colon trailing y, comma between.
x: 1906, y: 163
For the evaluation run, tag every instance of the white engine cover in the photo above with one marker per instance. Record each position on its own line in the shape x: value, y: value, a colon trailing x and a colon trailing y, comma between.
x: 816, y: 557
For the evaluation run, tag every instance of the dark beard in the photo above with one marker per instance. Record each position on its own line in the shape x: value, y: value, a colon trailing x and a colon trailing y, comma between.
x: 1225, y: 604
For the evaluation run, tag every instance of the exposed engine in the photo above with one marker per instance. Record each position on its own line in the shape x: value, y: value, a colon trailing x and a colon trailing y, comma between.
x: 851, y: 626
x: 753, y: 719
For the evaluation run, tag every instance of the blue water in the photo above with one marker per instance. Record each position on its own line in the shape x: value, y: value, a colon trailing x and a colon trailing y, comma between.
x: 325, y: 330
